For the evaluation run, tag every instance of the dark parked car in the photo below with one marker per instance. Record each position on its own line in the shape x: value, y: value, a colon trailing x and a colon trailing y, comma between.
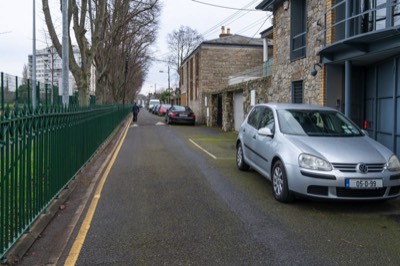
x: 155, y: 109
x: 180, y: 115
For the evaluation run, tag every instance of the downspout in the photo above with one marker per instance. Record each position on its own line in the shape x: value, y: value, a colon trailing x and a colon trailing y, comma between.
x: 348, y: 63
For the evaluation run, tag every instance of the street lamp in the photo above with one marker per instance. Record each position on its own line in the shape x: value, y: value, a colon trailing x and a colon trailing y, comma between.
x: 51, y: 52
x: 126, y: 73
x: 169, y: 88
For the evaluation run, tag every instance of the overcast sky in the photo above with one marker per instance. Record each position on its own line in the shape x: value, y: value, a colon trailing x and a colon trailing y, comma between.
x: 16, y: 30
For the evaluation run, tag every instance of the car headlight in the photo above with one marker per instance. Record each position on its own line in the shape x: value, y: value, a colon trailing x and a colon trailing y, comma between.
x: 393, y: 164
x: 315, y: 163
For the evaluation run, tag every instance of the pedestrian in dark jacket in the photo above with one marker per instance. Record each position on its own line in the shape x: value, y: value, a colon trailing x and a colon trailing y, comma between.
x: 135, y: 112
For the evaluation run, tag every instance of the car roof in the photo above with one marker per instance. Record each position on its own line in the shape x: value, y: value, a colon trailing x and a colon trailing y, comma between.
x: 283, y: 106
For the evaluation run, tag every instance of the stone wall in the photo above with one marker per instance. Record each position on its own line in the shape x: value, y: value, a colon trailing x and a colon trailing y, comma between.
x: 263, y: 92
x: 285, y: 71
x: 216, y: 64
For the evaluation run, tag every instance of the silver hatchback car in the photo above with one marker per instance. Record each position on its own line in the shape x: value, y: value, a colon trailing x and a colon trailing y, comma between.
x: 316, y: 152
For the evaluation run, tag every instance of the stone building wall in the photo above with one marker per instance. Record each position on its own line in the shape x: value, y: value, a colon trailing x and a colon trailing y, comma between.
x: 219, y: 62
x: 278, y: 87
x: 285, y: 71
x: 263, y: 93
x: 216, y: 64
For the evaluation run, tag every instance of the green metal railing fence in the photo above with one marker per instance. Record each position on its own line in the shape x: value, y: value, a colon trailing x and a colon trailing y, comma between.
x: 41, y: 151
x: 18, y: 91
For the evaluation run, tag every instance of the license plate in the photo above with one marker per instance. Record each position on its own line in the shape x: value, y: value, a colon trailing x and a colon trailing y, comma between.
x: 363, y: 183
x: 181, y: 115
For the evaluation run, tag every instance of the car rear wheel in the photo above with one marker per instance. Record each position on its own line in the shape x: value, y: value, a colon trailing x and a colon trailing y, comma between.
x: 240, y: 162
x: 280, y: 186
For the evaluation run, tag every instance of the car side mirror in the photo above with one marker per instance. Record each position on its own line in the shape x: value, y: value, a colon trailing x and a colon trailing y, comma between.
x: 265, y: 131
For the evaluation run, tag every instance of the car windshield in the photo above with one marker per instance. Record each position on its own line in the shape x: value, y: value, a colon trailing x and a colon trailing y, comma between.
x: 316, y: 123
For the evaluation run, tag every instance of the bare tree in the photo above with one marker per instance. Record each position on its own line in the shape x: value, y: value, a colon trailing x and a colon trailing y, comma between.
x: 25, y: 74
x: 122, y: 60
x: 88, y: 21
x: 181, y: 43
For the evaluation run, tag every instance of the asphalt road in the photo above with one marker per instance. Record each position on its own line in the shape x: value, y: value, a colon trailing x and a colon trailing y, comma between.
x: 174, y: 197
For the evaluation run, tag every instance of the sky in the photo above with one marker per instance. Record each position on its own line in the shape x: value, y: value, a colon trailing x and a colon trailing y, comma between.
x: 203, y: 15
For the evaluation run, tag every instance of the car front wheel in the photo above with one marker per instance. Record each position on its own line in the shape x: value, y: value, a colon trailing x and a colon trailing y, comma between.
x: 280, y: 186
x: 240, y: 162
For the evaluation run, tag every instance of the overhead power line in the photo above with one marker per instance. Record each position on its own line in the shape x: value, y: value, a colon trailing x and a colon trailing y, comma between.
x: 231, y: 18
x: 226, y: 7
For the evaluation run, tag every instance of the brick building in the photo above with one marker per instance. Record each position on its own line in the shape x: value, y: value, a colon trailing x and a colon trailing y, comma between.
x: 210, y: 65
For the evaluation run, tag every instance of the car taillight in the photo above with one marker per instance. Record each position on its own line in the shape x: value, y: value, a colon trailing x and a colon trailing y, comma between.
x: 192, y: 115
x: 173, y: 114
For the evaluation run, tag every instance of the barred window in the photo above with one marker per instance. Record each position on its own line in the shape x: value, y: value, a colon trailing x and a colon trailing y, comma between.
x: 297, y: 91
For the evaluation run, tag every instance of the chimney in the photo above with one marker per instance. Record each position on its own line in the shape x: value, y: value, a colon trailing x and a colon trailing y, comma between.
x: 223, y: 33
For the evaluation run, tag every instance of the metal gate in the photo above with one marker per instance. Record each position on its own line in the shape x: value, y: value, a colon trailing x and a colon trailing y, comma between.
x: 238, y: 110
x: 382, y: 103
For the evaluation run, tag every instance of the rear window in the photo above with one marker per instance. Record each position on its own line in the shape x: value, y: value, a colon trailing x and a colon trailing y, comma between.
x: 154, y: 102
x: 179, y: 108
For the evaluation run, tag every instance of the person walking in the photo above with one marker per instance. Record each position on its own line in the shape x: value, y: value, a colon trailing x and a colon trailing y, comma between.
x: 135, y: 112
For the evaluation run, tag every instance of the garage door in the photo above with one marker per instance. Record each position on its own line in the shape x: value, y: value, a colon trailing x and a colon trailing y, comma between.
x: 238, y: 110
x: 382, y: 118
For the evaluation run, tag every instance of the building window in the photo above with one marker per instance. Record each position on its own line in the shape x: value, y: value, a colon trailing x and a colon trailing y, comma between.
x: 297, y: 91
x: 381, y: 9
x: 298, y: 18
x: 396, y: 12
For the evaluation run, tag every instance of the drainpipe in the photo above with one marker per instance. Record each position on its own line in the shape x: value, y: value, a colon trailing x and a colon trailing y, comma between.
x: 347, y: 75
x: 347, y: 19
x: 265, y: 50
x: 347, y: 89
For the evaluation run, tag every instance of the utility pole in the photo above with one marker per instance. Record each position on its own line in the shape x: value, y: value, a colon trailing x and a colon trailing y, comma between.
x: 169, y: 88
x: 51, y: 52
x: 65, y: 56
x: 126, y: 73
x: 34, y: 103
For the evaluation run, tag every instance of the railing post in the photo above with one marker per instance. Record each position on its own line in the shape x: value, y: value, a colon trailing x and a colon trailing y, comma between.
x: 2, y: 91
x: 29, y: 92
x: 46, y: 87
x: 16, y: 90
x: 37, y: 100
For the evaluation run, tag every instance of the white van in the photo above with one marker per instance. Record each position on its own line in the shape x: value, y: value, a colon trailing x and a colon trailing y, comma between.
x: 153, y: 102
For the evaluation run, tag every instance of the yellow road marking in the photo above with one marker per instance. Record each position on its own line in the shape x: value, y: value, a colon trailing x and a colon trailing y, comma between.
x: 201, y: 148
x: 80, y: 239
